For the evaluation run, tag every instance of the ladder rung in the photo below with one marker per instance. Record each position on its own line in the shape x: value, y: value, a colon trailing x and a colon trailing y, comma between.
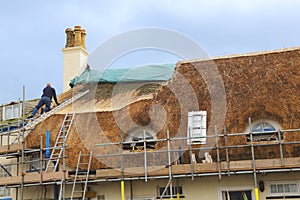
x: 82, y: 174
x: 53, y: 158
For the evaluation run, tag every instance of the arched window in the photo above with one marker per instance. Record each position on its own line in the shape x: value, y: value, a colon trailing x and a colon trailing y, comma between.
x: 263, y: 127
x: 263, y: 130
x: 135, y: 137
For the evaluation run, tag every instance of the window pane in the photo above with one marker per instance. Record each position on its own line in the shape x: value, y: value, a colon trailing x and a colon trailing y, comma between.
x: 261, y: 127
x: 273, y: 189
x: 16, y: 111
x: 175, y: 190
x: 161, y: 190
x: 293, y: 187
x: 179, y: 190
x: 8, y: 112
x: 287, y: 188
x: 4, y: 192
x: 284, y: 188
x: 280, y: 188
x: 268, y: 127
x: 4, y: 173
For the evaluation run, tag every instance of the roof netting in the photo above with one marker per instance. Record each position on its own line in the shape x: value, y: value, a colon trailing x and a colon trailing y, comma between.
x: 137, y: 74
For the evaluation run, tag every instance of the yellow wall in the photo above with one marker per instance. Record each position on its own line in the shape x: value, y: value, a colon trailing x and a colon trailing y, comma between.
x: 208, y: 188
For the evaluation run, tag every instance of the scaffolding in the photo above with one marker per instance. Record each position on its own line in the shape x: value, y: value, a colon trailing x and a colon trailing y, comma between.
x: 222, y: 163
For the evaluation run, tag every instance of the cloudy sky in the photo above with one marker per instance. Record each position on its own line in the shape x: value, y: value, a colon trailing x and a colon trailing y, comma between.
x: 32, y: 32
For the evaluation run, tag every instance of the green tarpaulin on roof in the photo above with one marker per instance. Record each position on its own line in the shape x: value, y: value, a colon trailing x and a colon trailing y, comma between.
x: 144, y: 73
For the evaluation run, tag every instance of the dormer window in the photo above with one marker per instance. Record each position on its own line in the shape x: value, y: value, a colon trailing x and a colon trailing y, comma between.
x: 136, y: 137
x: 263, y: 127
x: 264, y: 130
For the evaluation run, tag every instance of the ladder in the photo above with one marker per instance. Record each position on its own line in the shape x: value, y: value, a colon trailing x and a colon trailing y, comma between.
x: 86, y: 173
x: 31, y: 124
x: 61, y: 139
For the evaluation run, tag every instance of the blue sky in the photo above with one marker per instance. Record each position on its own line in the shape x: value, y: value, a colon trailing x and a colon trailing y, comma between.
x: 32, y: 32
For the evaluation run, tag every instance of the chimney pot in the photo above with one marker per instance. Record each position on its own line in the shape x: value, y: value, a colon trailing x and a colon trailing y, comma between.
x: 77, y: 39
x: 69, y: 39
x: 83, y: 35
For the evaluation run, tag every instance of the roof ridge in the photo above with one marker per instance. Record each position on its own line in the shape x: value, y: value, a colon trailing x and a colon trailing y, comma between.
x: 240, y: 55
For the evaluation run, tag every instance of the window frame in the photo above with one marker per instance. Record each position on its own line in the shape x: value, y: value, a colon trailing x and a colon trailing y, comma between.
x: 258, y: 136
x: 5, y: 192
x: 3, y: 173
x: 235, y: 189
x: 167, y: 194
x: 283, y: 194
x: 100, y: 197
x: 135, y: 138
x: 196, y: 134
x: 11, y: 111
x: 140, y: 198
x: 33, y: 160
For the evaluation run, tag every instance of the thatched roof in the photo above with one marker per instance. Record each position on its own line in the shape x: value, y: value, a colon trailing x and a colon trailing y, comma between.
x: 259, y: 86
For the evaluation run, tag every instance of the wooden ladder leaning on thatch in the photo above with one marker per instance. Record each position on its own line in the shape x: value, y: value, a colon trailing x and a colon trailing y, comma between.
x: 84, y: 174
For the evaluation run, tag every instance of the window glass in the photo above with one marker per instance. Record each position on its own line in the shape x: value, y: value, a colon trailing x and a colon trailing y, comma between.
x: 100, y: 197
x: 34, y: 162
x: 175, y: 190
x: 140, y: 136
x: 135, y: 138
x: 262, y: 127
x: 8, y: 112
x: 5, y: 192
x: 237, y: 195
x: 294, y: 187
x: 11, y: 111
x: 264, y: 130
x: 3, y: 173
x: 284, y: 188
x: 280, y: 188
x: 287, y: 188
x: 273, y: 189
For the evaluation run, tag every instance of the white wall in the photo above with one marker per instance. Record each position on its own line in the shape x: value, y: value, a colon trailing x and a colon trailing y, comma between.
x: 75, y: 60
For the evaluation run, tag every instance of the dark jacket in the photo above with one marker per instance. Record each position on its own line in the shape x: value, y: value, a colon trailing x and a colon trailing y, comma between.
x: 50, y: 92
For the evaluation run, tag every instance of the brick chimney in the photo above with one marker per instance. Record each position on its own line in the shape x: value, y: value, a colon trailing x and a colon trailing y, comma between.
x: 75, y: 54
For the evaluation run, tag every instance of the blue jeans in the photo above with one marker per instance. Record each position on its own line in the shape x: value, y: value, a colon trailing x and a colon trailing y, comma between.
x: 43, y: 101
